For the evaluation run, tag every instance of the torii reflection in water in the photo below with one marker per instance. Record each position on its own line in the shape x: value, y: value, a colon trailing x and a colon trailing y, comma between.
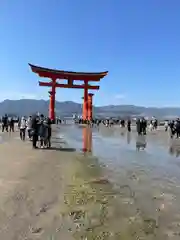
x: 87, y: 140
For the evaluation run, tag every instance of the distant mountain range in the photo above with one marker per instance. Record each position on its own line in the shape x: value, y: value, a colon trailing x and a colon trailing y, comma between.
x: 63, y: 109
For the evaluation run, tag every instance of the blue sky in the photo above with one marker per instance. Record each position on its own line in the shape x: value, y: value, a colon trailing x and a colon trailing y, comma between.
x: 138, y: 42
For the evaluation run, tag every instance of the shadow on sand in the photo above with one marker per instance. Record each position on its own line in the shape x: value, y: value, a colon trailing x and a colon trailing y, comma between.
x: 61, y: 149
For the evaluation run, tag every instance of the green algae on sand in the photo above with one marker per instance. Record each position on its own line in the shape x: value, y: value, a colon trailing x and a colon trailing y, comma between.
x: 91, y: 206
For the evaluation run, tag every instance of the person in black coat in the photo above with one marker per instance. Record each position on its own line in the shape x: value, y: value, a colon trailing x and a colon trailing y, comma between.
x: 48, y: 123
x: 5, y: 123
x: 178, y: 128
x: 11, y: 124
x: 129, y: 125
x: 35, y: 128
x: 172, y: 128
x: 144, y: 126
x: 138, y: 126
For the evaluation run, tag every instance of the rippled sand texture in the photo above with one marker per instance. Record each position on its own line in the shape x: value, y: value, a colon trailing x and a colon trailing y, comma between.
x: 141, y: 199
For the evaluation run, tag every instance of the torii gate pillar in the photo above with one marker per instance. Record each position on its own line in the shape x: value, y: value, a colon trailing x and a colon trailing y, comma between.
x: 52, y: 106
x: 90, y: 106
x: 85, y: 108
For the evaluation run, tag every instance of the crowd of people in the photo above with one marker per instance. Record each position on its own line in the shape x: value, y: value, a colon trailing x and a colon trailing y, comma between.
x: 174, y: 126
x: 7, y: 123
x: 38, y: 129
x: 141, y: 125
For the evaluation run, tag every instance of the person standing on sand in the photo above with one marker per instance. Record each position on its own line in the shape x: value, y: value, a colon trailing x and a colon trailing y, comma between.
x: 42, y: 131
x: 172, y: 128
x: 151, y: 126
x: 178, y: 128
x: 138, y: 126
x: 129, y: 125
x: 34, y: 132
x: 166, y: 125
x: 48, y: 140
x: 144, y: 126
x: 5, y: 123
x: 47, y: 132
x: 11, y: 124
x: 29, y: 126
x: 22, y: 127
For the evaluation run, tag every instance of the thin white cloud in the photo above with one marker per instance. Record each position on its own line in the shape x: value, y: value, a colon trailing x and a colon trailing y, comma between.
x: 119, y: 96
x: 17, y: 96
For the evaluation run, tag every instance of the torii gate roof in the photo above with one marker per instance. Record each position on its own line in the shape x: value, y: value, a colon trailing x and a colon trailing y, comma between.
x: 59, y: 74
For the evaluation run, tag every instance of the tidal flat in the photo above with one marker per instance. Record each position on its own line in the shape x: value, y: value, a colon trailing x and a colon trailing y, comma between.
x: 126, y: 187
x: 99, y: 183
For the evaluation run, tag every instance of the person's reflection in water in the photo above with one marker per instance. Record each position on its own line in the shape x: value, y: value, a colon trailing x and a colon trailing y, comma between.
x: 141, y: 143
x: 128, y: 137
x: 174, y: 151
x: 171, y: 150
x: 122, y: 134
x: 177, y: 153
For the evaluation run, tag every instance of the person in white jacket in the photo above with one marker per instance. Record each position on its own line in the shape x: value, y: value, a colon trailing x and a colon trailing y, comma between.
x: 22, y: 127
x: 29, y: 127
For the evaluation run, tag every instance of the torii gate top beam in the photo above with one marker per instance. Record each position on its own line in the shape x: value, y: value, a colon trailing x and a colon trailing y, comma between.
x: 59, y: 74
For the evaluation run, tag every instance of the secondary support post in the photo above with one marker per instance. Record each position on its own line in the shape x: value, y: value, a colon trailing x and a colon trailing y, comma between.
x: 90, y: 106
x: 82, y: 107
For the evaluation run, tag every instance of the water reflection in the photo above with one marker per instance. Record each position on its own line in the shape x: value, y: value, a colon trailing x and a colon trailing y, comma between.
x: 106, y: 132
x: 109, y: 142
x: 141, y: 143
x: 128, y: 137
x: 151, y: 175
x: 122, y: 134
x: 174, y: 151
x: 87, y: 139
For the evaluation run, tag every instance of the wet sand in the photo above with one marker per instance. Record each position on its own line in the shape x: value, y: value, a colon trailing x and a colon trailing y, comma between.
x: 149, y: 168
x: 123, y: 187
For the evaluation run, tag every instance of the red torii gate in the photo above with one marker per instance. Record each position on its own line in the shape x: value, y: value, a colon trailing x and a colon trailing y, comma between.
x: 55, y: 75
